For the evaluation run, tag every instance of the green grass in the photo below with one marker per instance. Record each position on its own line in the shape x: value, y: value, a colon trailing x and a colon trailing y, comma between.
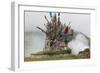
x: 55, y: 52
x: 67, y: 57
x: 58, y: 55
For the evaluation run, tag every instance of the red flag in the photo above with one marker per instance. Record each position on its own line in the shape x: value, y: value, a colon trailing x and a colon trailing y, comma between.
x: 66, y: 29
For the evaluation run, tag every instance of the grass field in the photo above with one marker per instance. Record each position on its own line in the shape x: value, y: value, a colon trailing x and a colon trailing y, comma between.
x: 67, y: 57
x: 57, y: 55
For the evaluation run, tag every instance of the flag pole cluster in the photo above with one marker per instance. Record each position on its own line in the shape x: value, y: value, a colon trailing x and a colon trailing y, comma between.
x: 58, y: 35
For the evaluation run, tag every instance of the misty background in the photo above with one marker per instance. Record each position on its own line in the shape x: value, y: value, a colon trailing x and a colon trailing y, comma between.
x: 34, y: 40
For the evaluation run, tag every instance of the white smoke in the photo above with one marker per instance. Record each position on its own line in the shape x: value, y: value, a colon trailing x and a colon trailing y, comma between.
x: 79, y: 43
